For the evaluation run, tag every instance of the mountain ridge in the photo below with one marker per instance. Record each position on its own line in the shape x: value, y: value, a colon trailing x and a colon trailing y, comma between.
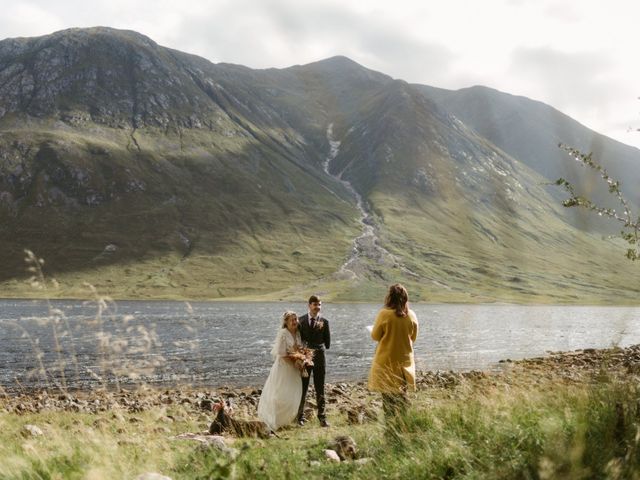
x: 534, y: 139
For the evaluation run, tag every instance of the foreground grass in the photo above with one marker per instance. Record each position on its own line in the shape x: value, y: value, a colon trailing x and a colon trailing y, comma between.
x: 552, y: 430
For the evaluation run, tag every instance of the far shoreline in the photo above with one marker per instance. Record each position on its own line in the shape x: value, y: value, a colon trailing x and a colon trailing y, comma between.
x: 567, y: 367
x: 250, y: 300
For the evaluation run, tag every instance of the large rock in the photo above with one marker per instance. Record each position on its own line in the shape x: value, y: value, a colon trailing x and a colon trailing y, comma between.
x: 332, y: 456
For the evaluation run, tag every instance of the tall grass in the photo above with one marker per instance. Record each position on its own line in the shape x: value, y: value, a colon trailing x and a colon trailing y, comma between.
x: 589, y: 431
x: 497, y: 429
x: 578, y: 431
x: 574, y: 432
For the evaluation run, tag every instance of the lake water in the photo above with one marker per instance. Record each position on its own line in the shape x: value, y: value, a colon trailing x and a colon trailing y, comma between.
x: 220, y: 343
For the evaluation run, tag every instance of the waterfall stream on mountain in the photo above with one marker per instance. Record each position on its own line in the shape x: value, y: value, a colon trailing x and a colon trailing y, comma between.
x: 367, y: 245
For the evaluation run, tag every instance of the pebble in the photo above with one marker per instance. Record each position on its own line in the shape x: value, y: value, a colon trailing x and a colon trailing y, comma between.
x: 32, y: 430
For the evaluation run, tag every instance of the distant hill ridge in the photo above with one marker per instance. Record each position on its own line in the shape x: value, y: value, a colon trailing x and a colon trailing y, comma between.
x: 531, y: 131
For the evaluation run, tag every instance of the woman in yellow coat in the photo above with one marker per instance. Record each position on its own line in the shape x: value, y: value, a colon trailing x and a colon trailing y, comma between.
x: 393, y: 370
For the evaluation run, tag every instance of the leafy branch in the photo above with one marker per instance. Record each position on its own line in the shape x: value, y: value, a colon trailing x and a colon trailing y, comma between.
x: 631, y: 226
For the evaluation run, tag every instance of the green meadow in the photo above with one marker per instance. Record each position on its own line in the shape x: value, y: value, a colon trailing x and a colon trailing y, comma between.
x: 499, y: 428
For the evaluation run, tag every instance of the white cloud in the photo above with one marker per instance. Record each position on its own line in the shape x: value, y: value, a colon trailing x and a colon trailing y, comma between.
x: 27, y: 19
x: 567, y: 80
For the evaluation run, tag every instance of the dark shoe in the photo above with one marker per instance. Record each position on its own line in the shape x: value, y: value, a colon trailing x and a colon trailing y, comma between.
x: 324, y: 423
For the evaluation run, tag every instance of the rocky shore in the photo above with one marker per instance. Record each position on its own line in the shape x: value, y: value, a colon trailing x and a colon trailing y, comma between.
x: 352, y: 399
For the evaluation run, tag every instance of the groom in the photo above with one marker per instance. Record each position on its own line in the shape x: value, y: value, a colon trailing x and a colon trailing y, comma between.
x: 314, y: 331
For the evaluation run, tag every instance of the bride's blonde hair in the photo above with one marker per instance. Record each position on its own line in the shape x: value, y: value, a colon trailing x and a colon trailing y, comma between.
x: 285, y: 317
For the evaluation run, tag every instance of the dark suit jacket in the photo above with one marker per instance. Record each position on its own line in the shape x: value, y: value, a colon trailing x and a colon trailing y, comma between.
x: 318, y: 338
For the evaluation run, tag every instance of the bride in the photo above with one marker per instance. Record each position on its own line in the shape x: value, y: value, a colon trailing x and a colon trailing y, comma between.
x: 283, y: 389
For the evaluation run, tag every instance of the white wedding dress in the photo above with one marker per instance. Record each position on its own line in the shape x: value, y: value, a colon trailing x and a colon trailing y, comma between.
x: 282, y: 391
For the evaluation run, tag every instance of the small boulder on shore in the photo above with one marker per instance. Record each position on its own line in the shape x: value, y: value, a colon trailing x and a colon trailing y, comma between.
x: 32, y: 431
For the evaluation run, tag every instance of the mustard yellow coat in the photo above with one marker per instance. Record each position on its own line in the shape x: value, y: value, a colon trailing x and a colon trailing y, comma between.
x: 393, y: 369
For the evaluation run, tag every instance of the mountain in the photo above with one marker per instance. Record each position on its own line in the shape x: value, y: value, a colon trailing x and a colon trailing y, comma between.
x: 125, y: 162
x: 531, y: 131
x: 152, y: 173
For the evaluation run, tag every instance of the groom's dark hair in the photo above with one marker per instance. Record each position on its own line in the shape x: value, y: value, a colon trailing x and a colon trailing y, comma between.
x: 314, y: 299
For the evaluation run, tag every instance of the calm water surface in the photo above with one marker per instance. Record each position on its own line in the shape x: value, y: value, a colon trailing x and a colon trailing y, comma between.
x: 214, y: 343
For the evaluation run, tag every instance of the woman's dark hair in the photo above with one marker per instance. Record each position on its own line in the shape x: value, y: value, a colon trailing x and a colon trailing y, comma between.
x: 397, y: 298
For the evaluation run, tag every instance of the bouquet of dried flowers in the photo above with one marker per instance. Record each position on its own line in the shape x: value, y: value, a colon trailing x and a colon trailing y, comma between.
x: 303, y: 358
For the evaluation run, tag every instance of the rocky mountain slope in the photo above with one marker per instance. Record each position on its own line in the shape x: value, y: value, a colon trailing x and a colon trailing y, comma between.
x: 149, y: 172
x: 531, y: 131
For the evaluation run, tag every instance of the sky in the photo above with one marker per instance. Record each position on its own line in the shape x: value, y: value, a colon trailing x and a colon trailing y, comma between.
x: 580, y: 56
